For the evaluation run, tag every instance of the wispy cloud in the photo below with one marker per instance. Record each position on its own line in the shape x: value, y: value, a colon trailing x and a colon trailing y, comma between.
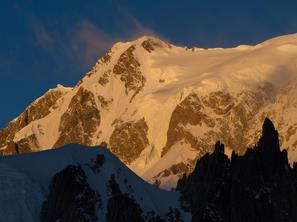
x: 84, y: 42
x: 44, y: 39
x: 91, y: 41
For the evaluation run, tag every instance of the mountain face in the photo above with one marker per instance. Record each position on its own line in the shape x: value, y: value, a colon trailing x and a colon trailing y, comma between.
x: 258, y: 186
x: 159, y: 107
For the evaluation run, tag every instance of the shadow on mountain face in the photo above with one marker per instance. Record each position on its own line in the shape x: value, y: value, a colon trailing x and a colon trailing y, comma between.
x: 258, y: 186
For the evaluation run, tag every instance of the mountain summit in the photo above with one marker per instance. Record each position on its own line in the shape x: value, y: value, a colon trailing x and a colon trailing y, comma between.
x: 159, y: 107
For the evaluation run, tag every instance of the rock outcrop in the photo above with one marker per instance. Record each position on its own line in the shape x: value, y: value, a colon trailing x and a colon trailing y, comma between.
x: 70, y: 197
x: 80, y: 121
x: 120, y: 207
x: 37, y: 110
x: 128, y: 68
x: 129, y: 139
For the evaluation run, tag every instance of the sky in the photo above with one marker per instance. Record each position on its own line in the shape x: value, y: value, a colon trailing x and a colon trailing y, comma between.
x: 45, y: 43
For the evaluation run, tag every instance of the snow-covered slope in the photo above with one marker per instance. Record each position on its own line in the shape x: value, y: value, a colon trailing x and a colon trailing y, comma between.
x: 89, y: 178
x: 159, y: 107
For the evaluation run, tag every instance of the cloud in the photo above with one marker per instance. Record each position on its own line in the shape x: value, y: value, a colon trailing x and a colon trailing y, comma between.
x: 44, y: 39
x: 92, y: 40
x: 84, y: 42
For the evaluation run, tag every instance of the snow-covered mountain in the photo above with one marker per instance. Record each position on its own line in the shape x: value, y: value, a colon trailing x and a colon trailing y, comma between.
x: 77, y: 183
x: 158, y: 107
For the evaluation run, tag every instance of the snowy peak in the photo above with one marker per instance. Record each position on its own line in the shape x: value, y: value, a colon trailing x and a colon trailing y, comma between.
x: 159, y: 107
x: 149, y: 43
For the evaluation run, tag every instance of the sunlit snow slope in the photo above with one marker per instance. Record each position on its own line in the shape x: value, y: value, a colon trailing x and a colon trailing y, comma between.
x: 159, y: 107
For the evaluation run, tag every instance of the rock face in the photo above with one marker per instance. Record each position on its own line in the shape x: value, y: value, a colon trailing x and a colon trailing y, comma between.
x: 70, y: 197
x: 37, y: 110
x: 121, y: 207
x: 258, y: 186
x: 160, y: 107
x: 80, y: 120
x: 129, y: 139
x: 128, y: 68
x: 189, y: 111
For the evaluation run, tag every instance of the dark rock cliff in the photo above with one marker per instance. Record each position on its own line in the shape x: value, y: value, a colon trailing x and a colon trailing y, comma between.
x: 258, y: 186
x: 120, y: 206
x: 70, y: 197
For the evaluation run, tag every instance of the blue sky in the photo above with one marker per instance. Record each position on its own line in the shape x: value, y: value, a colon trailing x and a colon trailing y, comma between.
x: 43, y: 43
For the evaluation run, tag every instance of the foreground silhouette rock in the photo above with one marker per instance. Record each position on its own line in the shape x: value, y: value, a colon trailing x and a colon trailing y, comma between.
x: 258, y: 186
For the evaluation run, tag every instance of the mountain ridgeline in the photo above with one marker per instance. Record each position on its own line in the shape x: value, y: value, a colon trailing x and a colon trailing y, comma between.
x: 159, y: 107
x: 258, y: 186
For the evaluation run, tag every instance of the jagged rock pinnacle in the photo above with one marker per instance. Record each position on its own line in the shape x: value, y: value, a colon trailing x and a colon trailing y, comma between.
x: 260, y: 184
x: 219, y: 147
x: 269, y: 141
x: 267, y: 127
